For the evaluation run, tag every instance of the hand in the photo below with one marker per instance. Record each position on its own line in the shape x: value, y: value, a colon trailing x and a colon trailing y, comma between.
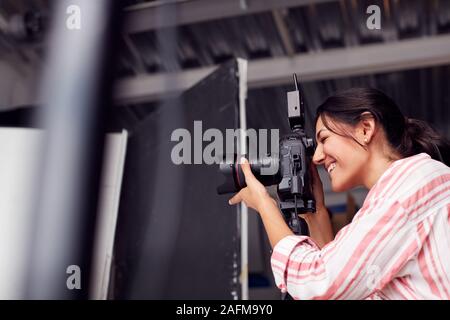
x: 255, y: 194
x: 317, y: 191
x: 319, y: 223
x: 317, y: 186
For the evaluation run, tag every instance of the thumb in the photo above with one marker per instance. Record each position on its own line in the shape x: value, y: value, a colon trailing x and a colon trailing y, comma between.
x: 235, y: 199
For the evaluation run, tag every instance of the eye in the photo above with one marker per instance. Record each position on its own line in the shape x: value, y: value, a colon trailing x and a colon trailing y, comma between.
x: 323, y: 140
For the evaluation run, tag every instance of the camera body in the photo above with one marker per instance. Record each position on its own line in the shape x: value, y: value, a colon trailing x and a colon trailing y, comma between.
x: 293, y: 176
x: 295, y: 188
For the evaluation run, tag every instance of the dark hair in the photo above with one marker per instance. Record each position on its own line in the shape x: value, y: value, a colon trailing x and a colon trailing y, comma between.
x: 405, y: 135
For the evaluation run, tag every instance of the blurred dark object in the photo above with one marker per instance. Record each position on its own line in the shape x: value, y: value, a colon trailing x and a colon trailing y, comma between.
x: 21, y: 117
x: 76, y: 94
x: 29, y: 26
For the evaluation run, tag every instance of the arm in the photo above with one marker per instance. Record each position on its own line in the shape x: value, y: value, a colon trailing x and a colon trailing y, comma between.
x: 273, y: 221
x: 365, y: 256
x: 256, y: 197
x: 319, y: 225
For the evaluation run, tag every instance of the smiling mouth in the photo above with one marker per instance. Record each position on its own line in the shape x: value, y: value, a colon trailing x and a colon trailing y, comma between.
x: 331, y: 167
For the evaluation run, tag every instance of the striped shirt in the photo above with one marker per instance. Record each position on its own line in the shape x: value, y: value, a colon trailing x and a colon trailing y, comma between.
x: 396, y: 247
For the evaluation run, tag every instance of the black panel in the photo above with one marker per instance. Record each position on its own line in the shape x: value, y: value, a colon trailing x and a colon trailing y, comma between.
x: 19, y: 117
x: 176, y: 238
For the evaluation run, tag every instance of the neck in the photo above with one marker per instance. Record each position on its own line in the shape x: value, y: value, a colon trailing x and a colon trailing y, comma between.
x: 376, y: 166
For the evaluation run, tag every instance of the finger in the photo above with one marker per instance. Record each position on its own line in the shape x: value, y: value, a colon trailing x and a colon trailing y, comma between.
x: 303, y: 215
x: 315, y: 173
x: 246, y: 170
x: 314, y: 169
x: 236, y: 199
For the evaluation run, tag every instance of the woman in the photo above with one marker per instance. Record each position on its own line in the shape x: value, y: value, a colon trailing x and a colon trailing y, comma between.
x: 398, y: 244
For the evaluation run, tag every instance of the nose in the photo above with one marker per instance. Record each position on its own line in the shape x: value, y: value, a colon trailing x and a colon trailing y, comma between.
x: 319, y: 156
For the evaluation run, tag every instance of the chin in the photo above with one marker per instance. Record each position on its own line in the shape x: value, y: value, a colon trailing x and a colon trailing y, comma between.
x: 339, y: 187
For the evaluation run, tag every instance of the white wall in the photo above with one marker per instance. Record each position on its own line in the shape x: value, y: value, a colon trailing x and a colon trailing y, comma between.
x: 19, y: 151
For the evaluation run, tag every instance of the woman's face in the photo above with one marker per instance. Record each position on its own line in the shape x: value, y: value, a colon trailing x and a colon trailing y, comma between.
x: 342, y: 157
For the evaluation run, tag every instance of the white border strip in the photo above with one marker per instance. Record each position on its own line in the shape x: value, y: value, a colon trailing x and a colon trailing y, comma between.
x: 107, y: 218
x: 242, y: 71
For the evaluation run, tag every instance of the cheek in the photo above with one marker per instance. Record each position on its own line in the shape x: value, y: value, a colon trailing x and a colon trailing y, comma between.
x: 340, y: 150
x: 350, y: 163
x: 354, y: 174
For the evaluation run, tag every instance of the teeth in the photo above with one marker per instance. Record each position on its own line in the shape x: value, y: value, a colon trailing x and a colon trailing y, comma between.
x: 331, y: 167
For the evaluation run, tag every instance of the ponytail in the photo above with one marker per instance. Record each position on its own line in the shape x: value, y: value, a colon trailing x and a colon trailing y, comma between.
x: 419, y: 136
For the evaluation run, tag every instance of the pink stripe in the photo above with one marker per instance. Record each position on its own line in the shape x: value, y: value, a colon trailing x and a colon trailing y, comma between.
x: 410, y: 250
x: 402, y: 258
x: 448, y: 210
x: 291, y: 264
x: 293, y: 269
x: 405, y: 284
x: 382, y: 295
x: 388, y: 216
x: 329, y: 252
x: 413, y: 288
x: 286, y: 260
x: 279, y: 257
x: 312, y: 269
x: 427, y: 244
x: 426, y: 274
x: 421, y: 231
x: 297, y: 280
x: 425, y: 190
x: 358, y: 253
x: 368, y: 204
x: 400, y: 263
x: 297, y: 266
x: 416, y: 210
x: 391, y: 213
x: 423, y: 264
x: 442, y: 272
x: 404, y: 167
x: 396, y: 289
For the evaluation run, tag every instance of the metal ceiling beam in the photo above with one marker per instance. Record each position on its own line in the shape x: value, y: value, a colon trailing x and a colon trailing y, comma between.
x: 329, y: 64
x: 147, y: 88
x: 141, y: 18
x: 283, y: 30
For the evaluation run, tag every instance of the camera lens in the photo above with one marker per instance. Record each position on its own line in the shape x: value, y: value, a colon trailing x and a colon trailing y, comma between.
x: 265, y: 169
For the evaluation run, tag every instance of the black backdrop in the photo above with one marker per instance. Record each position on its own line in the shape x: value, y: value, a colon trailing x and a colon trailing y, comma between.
x: 176, y: 238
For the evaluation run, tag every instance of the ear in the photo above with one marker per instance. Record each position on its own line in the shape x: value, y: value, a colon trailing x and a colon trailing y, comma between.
x: 366, y: 128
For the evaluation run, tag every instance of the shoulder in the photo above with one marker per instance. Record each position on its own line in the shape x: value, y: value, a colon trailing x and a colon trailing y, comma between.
x: 421, y: 173
x: 422, y: 167
x: 417, y: 183
x: 407, y: 174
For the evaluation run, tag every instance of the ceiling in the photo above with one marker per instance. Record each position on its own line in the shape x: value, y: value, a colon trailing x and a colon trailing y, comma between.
x: 326, y: 42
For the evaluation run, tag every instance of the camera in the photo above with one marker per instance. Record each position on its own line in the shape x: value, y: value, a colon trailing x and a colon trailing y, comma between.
x: 292, y: 176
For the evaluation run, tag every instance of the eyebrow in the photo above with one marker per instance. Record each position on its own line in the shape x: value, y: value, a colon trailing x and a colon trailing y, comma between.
x: 318, y: 133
